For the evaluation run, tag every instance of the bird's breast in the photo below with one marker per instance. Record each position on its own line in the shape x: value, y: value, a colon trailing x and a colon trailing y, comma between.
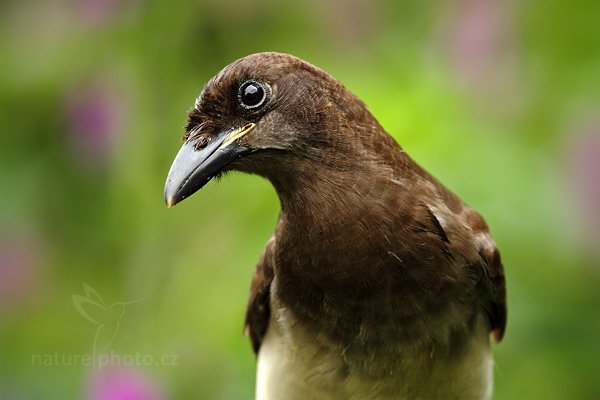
x: 299, y: 361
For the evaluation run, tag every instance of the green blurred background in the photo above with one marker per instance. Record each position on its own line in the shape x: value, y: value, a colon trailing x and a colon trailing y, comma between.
x: 499, y: 99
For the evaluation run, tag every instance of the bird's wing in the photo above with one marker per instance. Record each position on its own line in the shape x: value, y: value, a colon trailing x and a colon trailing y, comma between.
x: 258, y: 311
x: 492, y: 284
x: 495, y: 289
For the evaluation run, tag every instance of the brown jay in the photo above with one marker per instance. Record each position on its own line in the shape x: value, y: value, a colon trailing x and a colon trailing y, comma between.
x: 378, y: 282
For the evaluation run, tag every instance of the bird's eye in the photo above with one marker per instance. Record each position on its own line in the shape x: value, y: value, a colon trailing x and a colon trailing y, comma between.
x: 252, y: 94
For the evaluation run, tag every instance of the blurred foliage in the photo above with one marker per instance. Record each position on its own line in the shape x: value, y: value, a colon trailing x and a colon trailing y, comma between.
x: 498, y: 99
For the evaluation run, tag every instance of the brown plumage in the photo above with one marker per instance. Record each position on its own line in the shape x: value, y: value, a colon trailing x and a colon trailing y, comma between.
x: 378, y: 281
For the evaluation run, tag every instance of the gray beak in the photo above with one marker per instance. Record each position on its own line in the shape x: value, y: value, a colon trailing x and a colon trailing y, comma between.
x: 193, y: 168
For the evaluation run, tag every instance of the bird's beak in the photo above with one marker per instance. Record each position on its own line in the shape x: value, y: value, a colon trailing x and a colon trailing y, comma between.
x: 193, y: 168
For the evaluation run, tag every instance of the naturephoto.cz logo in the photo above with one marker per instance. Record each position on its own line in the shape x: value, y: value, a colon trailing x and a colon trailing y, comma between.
x: 110, y: 359
x: 107, y: 319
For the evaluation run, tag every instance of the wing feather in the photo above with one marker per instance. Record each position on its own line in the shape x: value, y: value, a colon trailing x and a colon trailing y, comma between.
x: 258, y: 311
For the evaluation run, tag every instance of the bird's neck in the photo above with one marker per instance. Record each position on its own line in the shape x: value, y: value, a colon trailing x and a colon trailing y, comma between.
x: 328, y: 199
x: 335, y: 206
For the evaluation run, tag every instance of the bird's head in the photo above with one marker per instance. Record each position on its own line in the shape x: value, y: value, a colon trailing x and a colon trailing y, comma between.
x: 258, y: 114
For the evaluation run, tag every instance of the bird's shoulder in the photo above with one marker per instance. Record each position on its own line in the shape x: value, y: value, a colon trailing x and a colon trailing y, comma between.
x: 462, y: 238
x: 258, y: 311
x: 492, y: 284
x: 467, y: 239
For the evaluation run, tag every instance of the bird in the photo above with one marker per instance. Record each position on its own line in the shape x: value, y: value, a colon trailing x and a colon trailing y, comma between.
x: 378, y: 281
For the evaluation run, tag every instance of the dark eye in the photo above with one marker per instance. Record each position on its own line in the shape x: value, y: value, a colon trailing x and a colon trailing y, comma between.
x: 252, y: 94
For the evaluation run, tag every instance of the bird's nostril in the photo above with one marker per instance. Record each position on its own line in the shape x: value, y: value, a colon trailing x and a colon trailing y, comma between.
x: 201, y: 142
